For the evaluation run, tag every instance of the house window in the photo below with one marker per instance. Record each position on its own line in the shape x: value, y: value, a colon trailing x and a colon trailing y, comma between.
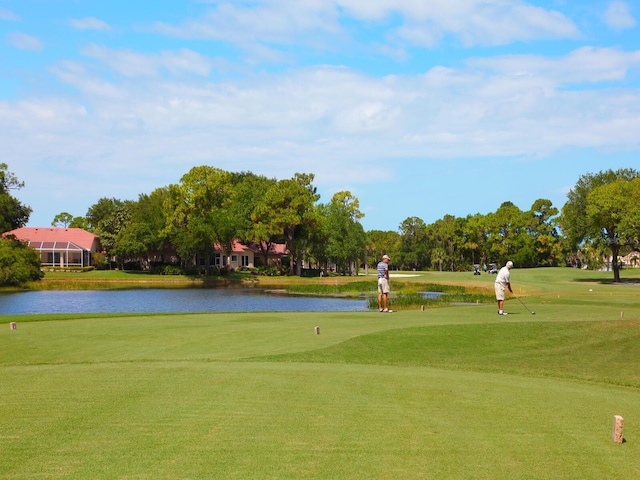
x: 53, y: 258
x: 245, y: 260
x: 234, y: 258
x: 217, y: 260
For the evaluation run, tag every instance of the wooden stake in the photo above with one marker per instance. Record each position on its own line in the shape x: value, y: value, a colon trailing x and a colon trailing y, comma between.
x: 13, y: 326
x: 317, y: 330
x: 618, y: 427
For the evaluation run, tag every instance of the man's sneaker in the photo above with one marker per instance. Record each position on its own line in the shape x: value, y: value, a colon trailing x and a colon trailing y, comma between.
x: 381, y: 310
x: 504, y: 313
x: 386, y: 310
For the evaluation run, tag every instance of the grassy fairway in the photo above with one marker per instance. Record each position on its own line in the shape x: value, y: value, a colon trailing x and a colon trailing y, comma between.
x: 446, y: 393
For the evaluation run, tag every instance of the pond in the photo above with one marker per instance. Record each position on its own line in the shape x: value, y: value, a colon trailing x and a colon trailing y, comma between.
x: 169, y: 300
x: 431, y: 294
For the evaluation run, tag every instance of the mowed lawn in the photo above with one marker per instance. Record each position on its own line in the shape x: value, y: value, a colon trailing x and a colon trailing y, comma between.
x: 444, y: 393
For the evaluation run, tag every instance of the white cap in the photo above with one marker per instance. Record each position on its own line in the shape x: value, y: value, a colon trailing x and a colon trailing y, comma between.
x: 509, y: 264
x: 386, y: 257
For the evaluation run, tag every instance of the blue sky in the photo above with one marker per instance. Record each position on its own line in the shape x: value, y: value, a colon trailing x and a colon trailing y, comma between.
x: 418, y: 108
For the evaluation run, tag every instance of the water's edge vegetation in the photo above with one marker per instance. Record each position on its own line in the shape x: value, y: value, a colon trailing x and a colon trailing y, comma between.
x: 410, y: 294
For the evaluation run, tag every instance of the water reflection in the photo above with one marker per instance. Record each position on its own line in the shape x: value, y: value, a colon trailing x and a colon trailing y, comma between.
x: 169, y: 300
x: 431, y: 294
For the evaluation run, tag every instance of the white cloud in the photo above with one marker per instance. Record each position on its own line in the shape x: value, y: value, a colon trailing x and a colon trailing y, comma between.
x: 475, y: 22
x: 151, y: 117
x: 23, y: 41
x: 131, y: 63
x: 90, y: 23
x: 320, y: 25
x: 8, y: 15
x: 40, y: 116
x: 333, y: 121
x: 267, y: 21
x: 618, y: 16
x: 88, y: 85
x: 584, y: 65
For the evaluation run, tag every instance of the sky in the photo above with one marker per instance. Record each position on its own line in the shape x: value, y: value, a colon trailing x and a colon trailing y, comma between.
x: 418, y: 108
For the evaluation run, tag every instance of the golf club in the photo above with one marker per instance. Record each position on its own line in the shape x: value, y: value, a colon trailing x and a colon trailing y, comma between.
x: 530, y: 311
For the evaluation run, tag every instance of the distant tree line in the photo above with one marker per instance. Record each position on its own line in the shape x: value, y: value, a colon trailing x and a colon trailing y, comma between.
x: 600, y: 219
x: 529, y: 238
x: 182, y: 222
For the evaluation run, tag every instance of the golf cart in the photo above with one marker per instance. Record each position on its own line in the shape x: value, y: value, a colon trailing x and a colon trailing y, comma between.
x: 476, y: 269
x: 493, y: 268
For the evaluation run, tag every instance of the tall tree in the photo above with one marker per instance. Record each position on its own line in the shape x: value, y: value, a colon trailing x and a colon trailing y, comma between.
x: 447, y: 234
x: 248, y: 190
x: 614, y: 208
x: 414, y: 247
x: 344, y: 236
x: 63, y: 220
x: 320, y: 236
x: 110, y: 227
x: 629, y: 195
x: 439, y: 256
x: 581, y: 222
x: 196, y: 210
x: 288, y: 208
x: 380, y: 242
x: 100, y: 211
x: 143, y: 236
x: 509, y: 235
x: 476, y: 234
x: 543, y: 233
x: 13, y: 214
x: 79, y: 222
x: 264, y: 230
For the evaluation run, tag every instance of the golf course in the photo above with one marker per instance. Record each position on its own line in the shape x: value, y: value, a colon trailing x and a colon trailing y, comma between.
x: 449, y: 392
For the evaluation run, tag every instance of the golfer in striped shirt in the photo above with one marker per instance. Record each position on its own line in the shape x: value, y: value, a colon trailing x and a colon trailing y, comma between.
x: 383, y: 285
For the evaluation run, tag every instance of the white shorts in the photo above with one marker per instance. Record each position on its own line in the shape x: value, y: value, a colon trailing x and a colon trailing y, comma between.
x: 383, y: 285
x: 500, y: 289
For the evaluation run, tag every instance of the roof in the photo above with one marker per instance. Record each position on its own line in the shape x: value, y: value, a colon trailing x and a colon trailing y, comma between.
x: 54, y: 246
x: 274, y: 248
x: 236, y: 247
x: 78, y: 236
x: 239, y: 247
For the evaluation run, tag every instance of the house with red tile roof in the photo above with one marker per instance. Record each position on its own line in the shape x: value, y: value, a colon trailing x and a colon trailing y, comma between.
x: 60, y: 247
x: 249, y: 255
x: 269, y: 253
x: 74, y: 247
x: 239, y: 256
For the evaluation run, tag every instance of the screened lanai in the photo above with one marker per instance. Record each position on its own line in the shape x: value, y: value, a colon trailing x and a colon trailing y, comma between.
x: 61, y: 254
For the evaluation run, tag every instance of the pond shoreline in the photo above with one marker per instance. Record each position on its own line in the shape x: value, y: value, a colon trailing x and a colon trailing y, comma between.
x: 165, y: 300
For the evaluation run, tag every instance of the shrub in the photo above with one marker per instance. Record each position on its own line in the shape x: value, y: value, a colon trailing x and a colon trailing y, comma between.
x: 100, y: 261
x: 172, y: 270
x: 310, y: 272
x: 132, y: 265
x: 19, y: 264
x: 269, y: 271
